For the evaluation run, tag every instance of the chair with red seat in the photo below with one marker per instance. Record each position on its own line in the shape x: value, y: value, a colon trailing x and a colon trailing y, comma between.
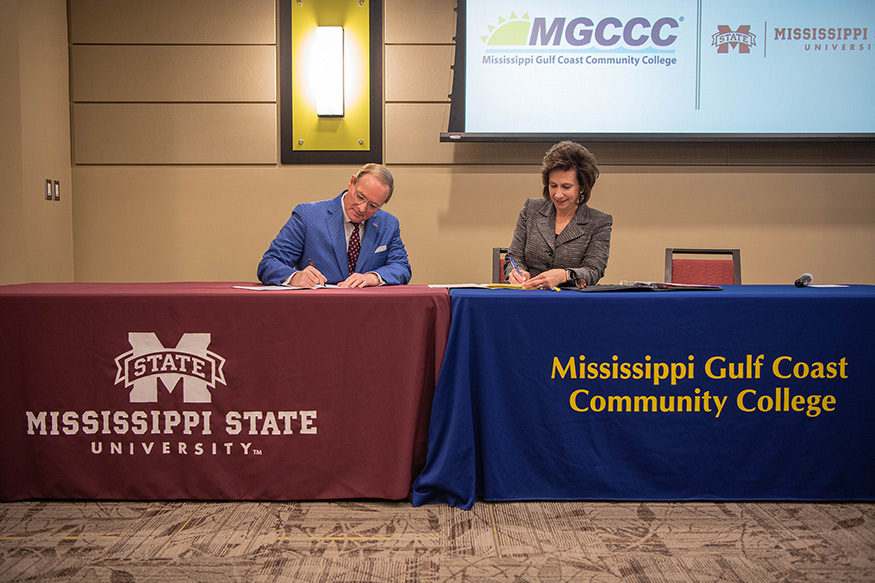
x: 703, y: 266
x: 498, y: 255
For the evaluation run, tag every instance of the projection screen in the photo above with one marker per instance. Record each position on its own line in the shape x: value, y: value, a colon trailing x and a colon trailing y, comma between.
x: 669, y: 70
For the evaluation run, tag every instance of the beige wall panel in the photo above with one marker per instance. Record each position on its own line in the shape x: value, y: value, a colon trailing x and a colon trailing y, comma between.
x: 173, y: 21
x: 784, y: 222
x: 196, y: 223
x: 433, y: 21
x: 12, y: 228
x: 418, y: 72
x: 188, y: 223
x: 45, y: 140
x: 173, y: 73
x: 413, y: 137
x: 156, y: 133
x: 803, y: 154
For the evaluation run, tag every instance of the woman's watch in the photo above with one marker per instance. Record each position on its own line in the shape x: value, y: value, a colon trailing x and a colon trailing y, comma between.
x: 572, y: 277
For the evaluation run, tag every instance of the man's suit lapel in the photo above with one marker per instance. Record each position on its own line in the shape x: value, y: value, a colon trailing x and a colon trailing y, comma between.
x: 370, y: 236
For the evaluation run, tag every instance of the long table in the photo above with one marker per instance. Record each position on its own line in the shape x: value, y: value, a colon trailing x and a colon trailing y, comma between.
x: 749, y: 393
x: 205, y: 391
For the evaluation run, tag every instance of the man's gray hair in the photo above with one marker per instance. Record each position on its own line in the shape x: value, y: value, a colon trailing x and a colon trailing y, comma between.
x: 380, y: 172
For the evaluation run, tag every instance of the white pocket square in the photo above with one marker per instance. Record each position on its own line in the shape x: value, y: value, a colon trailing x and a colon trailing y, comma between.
x: 380, y: 249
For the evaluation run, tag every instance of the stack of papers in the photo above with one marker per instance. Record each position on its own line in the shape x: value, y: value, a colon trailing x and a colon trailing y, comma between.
x: 663, y: 286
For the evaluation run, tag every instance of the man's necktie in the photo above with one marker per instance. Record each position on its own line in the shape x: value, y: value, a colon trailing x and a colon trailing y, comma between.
x: 352, y: 254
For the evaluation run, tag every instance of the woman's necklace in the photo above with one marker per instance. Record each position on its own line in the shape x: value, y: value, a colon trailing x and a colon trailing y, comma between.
x: 562, y: 222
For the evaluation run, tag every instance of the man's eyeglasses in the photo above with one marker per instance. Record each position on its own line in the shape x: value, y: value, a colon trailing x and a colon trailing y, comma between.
x: 359, y: 199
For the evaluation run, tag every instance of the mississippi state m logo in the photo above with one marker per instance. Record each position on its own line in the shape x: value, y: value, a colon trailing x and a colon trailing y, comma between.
x: 190, y: 361
x: 742, y: 39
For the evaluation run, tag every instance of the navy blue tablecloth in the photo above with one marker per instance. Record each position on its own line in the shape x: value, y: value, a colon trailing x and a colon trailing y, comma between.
x: 749, y: 393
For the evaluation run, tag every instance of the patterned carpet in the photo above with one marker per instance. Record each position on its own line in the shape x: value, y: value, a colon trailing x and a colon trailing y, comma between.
x: 373, y: 541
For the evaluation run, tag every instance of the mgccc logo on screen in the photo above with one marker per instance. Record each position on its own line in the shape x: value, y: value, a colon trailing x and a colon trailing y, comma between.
x: 581, y: 31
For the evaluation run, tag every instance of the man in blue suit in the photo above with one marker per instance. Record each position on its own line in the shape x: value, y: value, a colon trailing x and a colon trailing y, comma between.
x: 313, y: 247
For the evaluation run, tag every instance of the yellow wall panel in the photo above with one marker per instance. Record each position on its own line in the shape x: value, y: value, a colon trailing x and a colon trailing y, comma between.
x: 173, y: 21
x: 174, y: 133
x: 173, y: 73
x: 352, y: 130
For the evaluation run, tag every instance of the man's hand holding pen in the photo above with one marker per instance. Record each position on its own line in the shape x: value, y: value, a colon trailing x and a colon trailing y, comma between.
x: 307, y: 277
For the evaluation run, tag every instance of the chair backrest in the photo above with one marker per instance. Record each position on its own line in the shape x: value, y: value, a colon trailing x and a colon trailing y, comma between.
x: 703, y: 266
x: 498, y: 254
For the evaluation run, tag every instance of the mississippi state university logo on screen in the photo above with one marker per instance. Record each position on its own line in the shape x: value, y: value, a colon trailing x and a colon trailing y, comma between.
x: 741, y: 39
x: 189, y: 361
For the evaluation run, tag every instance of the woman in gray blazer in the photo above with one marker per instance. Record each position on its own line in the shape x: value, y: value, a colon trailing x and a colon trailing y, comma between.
x: 560, y: 240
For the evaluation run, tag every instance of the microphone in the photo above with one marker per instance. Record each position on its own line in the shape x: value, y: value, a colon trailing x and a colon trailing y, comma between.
x: 804, y: 280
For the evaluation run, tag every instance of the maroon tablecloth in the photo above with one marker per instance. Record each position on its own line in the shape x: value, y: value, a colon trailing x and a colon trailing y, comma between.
x: 204, y: 391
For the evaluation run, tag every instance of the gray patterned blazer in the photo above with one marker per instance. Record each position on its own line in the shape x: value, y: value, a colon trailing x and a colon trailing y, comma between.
x: 582, y: 246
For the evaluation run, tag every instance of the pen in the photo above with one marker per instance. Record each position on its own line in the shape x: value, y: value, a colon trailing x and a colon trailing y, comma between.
x: 322, y: 283
x: 515, y: 268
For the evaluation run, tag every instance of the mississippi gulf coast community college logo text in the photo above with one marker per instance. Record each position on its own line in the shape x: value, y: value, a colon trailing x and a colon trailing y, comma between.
x: 581, y: 31
x: 580, y: 40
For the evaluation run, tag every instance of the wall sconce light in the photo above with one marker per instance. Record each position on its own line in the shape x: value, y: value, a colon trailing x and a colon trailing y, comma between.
x: 330, y: 55
x: 327, y: 63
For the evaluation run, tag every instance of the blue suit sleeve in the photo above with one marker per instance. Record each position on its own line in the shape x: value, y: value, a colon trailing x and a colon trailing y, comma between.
x: 284, y: 254
x: 396, y: 270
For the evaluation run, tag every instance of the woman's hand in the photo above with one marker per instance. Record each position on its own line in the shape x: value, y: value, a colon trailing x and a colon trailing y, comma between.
x: 547, y: 280
x: 518, y: 277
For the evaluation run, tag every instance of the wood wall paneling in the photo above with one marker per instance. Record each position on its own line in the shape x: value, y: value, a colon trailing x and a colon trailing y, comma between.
x: 174, y: 133
x: 173, y: 21
x: 124, y: 73
x: 409, y: 22
x: 413, y: 131
x: 168, y: 82
x: 418, y: 73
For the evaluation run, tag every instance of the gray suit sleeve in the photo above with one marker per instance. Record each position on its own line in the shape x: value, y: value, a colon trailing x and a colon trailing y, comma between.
x: 596, y: 258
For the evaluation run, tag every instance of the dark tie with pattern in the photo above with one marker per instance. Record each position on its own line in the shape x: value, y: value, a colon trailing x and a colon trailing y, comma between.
x: 352, y: 254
